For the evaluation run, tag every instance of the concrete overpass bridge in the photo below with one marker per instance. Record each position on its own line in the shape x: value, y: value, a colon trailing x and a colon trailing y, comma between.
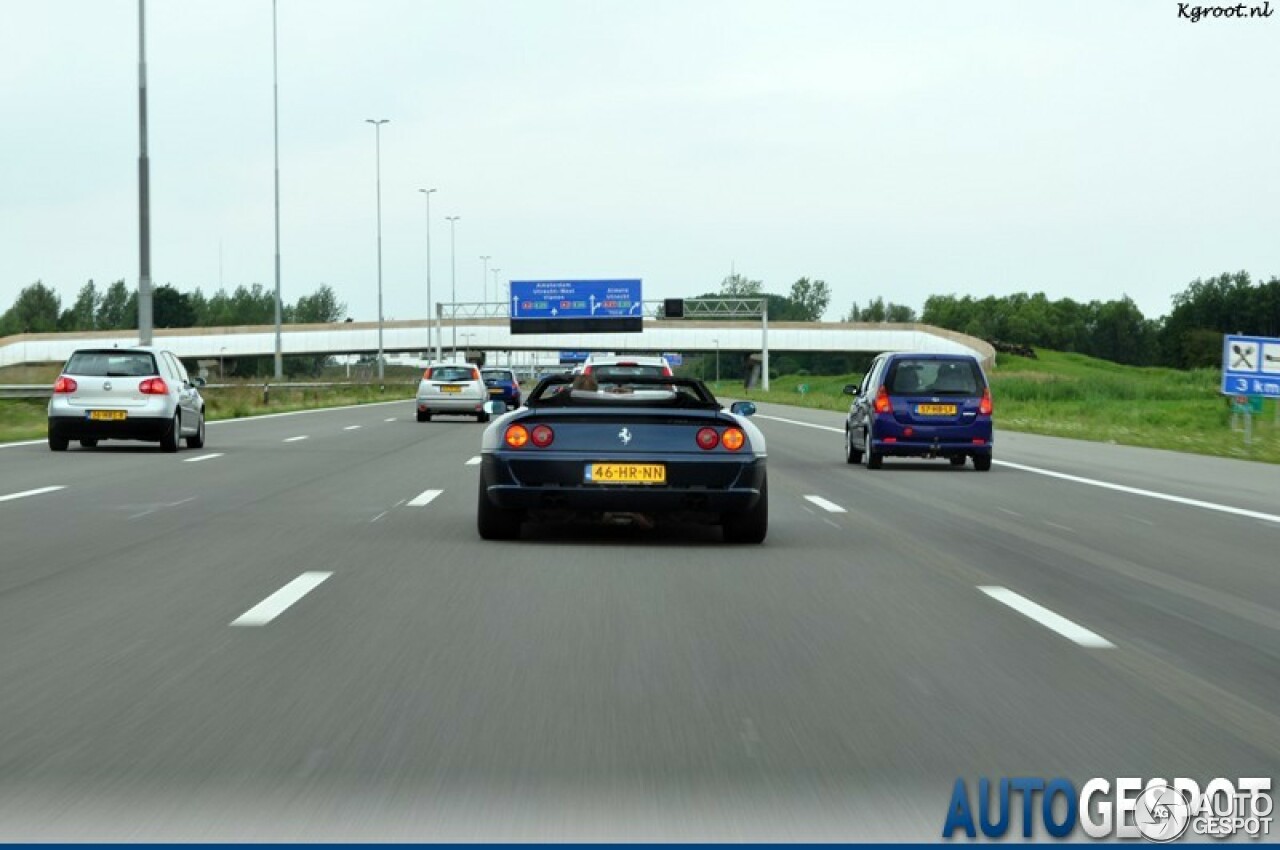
x: 414, y: 337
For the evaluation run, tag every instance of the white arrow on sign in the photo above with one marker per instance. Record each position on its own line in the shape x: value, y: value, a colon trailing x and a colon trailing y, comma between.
x: 515, y: 306
x: 555, y: 312
x: 592, y: 299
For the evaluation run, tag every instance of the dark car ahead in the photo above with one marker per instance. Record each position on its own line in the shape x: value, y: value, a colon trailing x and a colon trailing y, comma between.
x: 920, y: 405
x: 502, y: 386
x: 625, y: 449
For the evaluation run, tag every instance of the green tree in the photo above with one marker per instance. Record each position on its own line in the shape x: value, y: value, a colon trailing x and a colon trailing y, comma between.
x: 118, y: 309
x: 809, y: 299
x: 83, y: 314
x: 321, y: 307
x: 171, y: 308
x: 738, y: 286
x: 35, y: 310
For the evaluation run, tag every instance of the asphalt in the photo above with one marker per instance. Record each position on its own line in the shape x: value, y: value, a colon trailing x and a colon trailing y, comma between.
x: 612, y: 683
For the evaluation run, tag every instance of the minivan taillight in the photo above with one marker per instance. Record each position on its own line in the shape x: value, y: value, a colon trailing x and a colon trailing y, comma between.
x: 153, y: 386
x: 882, y: 403
x: 984, y: 406
x: 64, y: 385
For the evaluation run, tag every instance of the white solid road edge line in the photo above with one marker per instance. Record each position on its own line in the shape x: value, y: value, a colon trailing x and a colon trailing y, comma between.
x: 277, y: 603
x: 35, y: 492
x: 1092, y: 482
x: 426, y: 497
x: 203, y: 457
x: 832, y: 507
x: 475, y: 461
x: 1069, y: 630
x: 1138, y: 491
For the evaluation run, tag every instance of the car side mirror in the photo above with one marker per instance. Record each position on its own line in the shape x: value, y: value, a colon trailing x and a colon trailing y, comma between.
x: 495, y: 408
x: 743, y: 408
x: 851, y: 389
x: 197, y: 382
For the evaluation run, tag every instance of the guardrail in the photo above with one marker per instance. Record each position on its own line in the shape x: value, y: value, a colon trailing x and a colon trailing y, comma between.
x: 46, y: 390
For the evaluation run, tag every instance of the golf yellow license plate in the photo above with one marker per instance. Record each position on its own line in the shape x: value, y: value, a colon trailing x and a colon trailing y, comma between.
x: 451, y: 388
x: 108, y: 415
x: 626, y: 473
x: 936, y: 409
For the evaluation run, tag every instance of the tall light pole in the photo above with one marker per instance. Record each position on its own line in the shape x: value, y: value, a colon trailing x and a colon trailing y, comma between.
x: 144, y: 187
x: 453, y: 274
x: 497, y: 296
x: 484, y: 278
x: 275, y: 105
x: 426, y: 193
x: 377, y: 140
x: 717, y: 342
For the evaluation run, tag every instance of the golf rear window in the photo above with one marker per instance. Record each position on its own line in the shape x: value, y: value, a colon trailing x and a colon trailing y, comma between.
x: 111, y: 364
x: 452, y: 373
x: 934, y: 377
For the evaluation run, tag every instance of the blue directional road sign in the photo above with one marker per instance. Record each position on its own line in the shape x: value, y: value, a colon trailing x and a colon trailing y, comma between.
x: 673, y: 358
x: 1251, y: 366
x: 574, y: 356
x: 576, y: 306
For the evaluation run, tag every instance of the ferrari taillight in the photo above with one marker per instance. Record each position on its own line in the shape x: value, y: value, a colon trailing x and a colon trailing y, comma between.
x: 517, y: 436
x: 733, y: 439
x: 542, y: 436
x: 708, y: 439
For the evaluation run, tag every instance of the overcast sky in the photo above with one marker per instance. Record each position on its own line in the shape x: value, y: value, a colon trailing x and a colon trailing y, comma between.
x: 1086, y: 149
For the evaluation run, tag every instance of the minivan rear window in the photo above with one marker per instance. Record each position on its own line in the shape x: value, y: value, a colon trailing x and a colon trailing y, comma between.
x: 111, y: 364
x: 934, y: 377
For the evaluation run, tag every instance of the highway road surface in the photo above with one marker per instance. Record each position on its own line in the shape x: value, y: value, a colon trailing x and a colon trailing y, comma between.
x: 296, y: 633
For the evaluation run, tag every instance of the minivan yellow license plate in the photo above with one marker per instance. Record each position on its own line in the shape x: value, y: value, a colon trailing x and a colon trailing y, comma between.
x: 936, y: 409
x: 108, y: 415
x: 626, y: 473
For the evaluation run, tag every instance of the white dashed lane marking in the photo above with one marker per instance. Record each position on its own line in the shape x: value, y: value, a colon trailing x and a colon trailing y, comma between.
x: 295, y: 439
x: 352, y: 427
x: 426, y: 497
x: 25, y: 493
x: 475, y: 461
x: 830, y: 507
x: 277, y: 603
x: 203, y: 457
x: 1054, y: 622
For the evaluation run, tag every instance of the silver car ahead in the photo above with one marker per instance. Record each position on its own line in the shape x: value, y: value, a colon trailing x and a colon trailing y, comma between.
x: 455, y: 389
x: 125, y: 394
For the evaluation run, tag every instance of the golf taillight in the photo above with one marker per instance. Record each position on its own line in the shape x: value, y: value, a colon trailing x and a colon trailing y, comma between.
x: 984, y: 406
x: 426, y: 376
x: 708, y: 438
x: 733, y: 439
x: 882, y: 403
x: 153, y: 386
x: 64, y: 385
x: 542, y: 436
x: 517, y: 436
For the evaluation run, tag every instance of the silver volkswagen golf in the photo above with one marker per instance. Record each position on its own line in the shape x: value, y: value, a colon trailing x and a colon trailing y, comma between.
x: 126, y: 394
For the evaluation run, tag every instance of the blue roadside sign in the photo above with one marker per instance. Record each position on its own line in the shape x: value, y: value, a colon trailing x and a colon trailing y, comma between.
x: 574, y: 356
x: 674, y: 359
x: 576, y: 306
x: 1251, y: 366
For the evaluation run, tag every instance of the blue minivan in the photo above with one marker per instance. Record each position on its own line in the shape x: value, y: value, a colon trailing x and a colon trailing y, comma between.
x: 920, y: 405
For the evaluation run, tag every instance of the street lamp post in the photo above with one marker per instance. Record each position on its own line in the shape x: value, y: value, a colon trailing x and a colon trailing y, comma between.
x: 484, y: 277
x: 717, y: 342
x: 426, y: 193
x: 275, y: 106
x: 453, y: 274
x: 144, y: 188
x: 377, y: 140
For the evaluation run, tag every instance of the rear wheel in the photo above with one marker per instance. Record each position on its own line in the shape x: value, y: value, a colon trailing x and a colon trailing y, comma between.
x: 89, y: 443
x: 751, y: 526
x: 982, y: 463
x: 495, y: 523
x: 169, y: 442
x: 958, y: 460
x: 851, y: 455
x: 874, y: 458
x: 424, y: 416
x: 58, y: 444
x: 196, y: 440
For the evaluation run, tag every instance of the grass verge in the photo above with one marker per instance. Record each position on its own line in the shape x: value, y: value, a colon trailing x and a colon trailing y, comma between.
x: 1070, y: 395
x: 25, y: 419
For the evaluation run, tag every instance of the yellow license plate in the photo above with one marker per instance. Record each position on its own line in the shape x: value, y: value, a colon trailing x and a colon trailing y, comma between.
x: 108, y: 415
x: 451, y: 388
x: 936, y: 409
x: 495, y: 390
x: 626, y: 473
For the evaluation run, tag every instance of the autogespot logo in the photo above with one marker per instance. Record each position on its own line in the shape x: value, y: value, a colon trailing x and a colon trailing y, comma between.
x: 1158, y: 810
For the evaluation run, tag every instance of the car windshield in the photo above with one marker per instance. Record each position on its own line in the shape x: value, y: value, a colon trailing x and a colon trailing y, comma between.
x: 935, y: 377
x: 452, y: 373
x: 497, y: 375
x: 111, y: 364
x: 642, y: 391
